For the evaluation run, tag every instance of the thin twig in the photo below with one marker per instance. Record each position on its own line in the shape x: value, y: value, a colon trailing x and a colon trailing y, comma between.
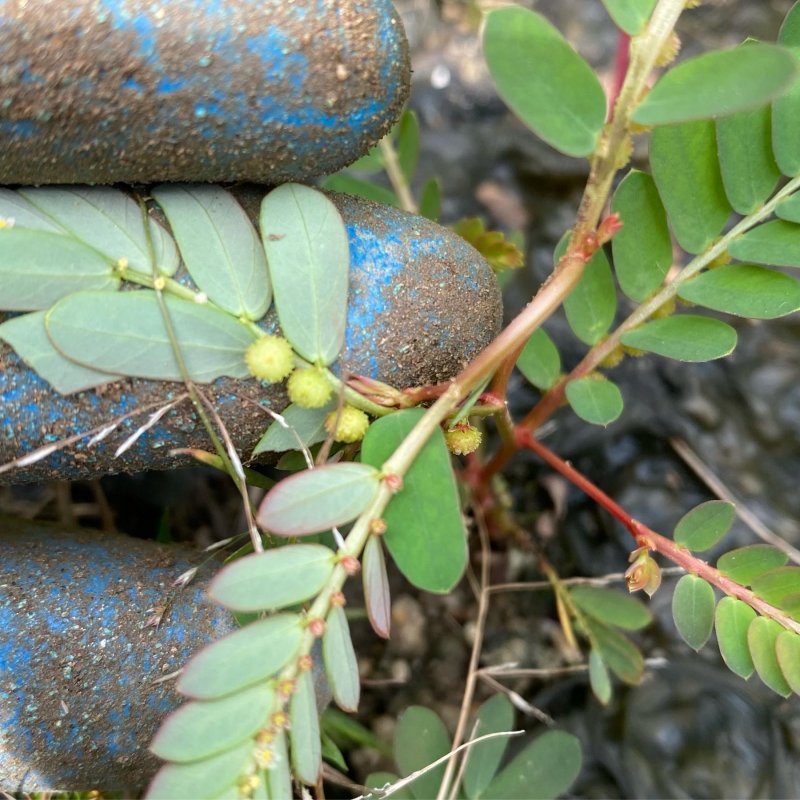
x: 601, y: 580
x: 97, y: 433
x: 516, y: 700
x: 475, y: 655
x: 239, y: 476
x: 390, y: 789
x: 647, y: 537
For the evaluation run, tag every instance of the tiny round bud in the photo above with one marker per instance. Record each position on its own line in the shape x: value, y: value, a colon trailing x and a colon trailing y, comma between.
x: 309, y: 388
x: 337, y: 600
x: 614, y: 358
x: 669, y: 51
x: 286, y: 687
x: 305, y: 663
x: 265, y: 737
x: 394, y: 483
x: 463, y: 439
x: 317, y: 627
x: 350, y: 565
x: 264, y: 757
x: 348, y: 425
x: 122, y: 264
x: 280, y: 719
x: 377, y: 526
x: 159, y: 283
x: 269, y: 358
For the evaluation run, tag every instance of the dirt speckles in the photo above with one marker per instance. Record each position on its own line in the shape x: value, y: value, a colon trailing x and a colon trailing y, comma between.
x: 135, y: 91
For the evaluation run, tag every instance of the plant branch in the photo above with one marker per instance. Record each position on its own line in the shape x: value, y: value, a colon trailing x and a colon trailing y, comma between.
x: 554, y: 398
x: 646, y: 537
x: 475, y: 655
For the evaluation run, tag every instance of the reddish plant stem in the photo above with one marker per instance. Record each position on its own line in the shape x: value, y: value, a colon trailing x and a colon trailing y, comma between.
x: 621, y: 61
x: 646, y: 537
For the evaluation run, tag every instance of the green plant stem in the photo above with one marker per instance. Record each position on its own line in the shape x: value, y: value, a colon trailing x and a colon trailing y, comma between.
x: 237, y: 475
x: 646, y: 537
x: 603, y: 166
x: 554, y: 397
x: 396, y: 176
x: 171, y: 286
x: 550, y: 297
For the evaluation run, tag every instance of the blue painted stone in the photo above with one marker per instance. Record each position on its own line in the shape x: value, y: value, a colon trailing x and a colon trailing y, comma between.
x: 422, y: 304
x: 79, y: 662
x: 140, y: 91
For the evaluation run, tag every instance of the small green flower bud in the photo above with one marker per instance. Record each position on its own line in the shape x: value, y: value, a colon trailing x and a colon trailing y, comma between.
x: 347, y: 426
x: 269, y: 358
x: 309, y: 388
x: 463, y: 439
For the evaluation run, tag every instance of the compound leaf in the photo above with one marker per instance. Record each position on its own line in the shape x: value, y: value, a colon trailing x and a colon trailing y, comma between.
x: 279, y: 775
x: 108, y: 221
x: 430, y: 200
x: 304, y: 730
x: 745, y: 290
x: 28, y: 337
x: 642, y: 248
x: 762, y: 638
x: 350, y: 184
x: 719, y: 83
x: 309, y: 261
x: 612, y: 607
x: 747, y: 563
x: 599, y: 679
x: 341, y: 666
x: 204, y: 780
x: 17, y: 212
x: 494, y: 716
x: 276, y: 578
x: 219, y: 245
x: 732, y: 620
x: 425, y: 531
x: 686, y: 171
x: 377, y: 597
x: 545, y: 769
x: 408, y: 144
x: 240, y: 659
x: 306, y: 425
x: 777, y: 585
x: 203, y: 728
x: 124, y: 332
x: 37, y: 268
x: 749, y: 171
x: 684, y: 337
x: 789, y: 208
x: 539, y: 361
x: 618, y: 653
x: 421, y: 738
x: 776, y: 243
x: 318, y: 499
x: 693, y: 610
x: 590, y: 307
x: 543, y: 80
x: 595, y: 399
x: 630, y: 15
x: 703, y: 526
x: 787, y: 650
x: 786, y: 108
